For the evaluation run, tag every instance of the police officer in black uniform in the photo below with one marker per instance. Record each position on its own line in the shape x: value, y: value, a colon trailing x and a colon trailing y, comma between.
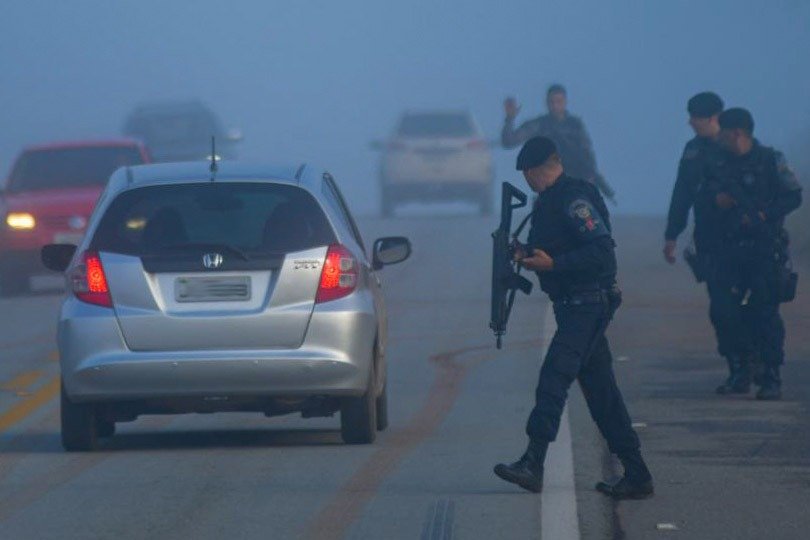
x: 747, y: 192
x: 704, y: 111
x: 703, y: 149
x: 571, y: 249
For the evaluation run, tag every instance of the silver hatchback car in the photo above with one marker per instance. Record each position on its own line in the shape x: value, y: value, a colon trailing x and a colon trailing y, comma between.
x: 248, y: 289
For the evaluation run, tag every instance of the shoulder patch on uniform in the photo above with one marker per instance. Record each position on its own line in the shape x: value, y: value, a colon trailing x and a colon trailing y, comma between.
x: 582, y: 211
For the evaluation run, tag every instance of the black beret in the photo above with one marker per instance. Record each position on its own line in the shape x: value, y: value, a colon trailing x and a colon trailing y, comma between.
x: 737, y: 118
x: 705, y: 105
x: 535, y: 152
x: 556, y: 88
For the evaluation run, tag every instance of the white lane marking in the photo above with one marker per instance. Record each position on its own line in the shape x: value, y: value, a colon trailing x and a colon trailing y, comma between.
x: 558, y: 503
x: 666, y: 527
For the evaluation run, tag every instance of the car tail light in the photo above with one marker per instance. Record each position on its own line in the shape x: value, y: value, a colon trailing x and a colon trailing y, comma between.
x: 477, y: 144
x: 89, y: 281
x: 339, y: 275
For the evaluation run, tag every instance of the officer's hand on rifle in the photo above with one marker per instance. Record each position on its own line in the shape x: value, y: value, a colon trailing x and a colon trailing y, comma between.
x: 540, y: 261
x: 725, y: 201
x: 669, y: 251
x: 511, y: 108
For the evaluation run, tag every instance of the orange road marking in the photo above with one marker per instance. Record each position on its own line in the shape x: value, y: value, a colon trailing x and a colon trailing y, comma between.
x: 30, y: 404
x: 334, y: 520
x: 22, y: 381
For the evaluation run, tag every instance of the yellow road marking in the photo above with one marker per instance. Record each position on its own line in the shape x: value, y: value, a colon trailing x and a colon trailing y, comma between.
x: 21, y: 381
x: 30, y: 404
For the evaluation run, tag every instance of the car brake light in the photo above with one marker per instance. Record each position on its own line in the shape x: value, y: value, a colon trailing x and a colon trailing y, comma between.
x: 477, y: 144
x: 89, y: 281
x: 339, y: 275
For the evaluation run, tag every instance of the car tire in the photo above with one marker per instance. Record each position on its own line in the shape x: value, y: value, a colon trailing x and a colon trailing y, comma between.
x: 358, y: 417
x: 79, y: 425
x: 382, y: 409
x: 13, y: 282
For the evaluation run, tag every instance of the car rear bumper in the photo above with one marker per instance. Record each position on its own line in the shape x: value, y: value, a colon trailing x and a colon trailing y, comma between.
x: 117, y: 377
x: 335, y: 360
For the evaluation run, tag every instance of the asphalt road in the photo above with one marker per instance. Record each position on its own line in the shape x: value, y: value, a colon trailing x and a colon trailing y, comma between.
x: 725, y: 467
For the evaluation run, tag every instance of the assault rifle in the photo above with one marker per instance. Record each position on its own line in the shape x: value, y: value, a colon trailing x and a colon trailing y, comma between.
x: 506, y: 278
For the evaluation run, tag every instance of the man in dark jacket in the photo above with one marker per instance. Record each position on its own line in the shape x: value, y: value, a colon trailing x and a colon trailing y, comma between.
x: 748, y: 190
x: 571, y: 249
x: 566, y: 130
x: 704, y: 112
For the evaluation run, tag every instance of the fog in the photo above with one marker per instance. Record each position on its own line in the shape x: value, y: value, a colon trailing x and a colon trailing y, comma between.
x: 317, y: 80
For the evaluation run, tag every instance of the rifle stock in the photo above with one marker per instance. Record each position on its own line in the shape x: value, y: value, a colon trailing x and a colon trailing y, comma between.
x: 506, y: 278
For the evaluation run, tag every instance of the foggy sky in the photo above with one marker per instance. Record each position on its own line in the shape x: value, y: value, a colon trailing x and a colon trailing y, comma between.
x: 311, y: 80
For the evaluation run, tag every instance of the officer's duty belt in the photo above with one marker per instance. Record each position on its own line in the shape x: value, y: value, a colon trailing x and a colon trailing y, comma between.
x: 583, y: 298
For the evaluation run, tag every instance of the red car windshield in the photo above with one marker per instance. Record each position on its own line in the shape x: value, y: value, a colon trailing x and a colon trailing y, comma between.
x: 70, y: 167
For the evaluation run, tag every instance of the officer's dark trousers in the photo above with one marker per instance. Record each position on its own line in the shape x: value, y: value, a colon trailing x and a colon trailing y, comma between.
x: 744, y: 307
x: 579, y: 350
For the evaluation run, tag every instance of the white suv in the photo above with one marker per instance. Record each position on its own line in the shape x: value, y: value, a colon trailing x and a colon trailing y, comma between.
x: 436, y: 156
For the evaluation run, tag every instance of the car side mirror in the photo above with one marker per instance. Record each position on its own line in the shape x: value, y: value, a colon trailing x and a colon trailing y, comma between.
x: 390, y: 250
x: 57, y: 257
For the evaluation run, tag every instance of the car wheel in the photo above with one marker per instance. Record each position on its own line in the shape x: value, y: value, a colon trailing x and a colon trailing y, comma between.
x: 79, y: 425
x: 382, y: 409
x: 358, y: 417
x: 13, y: 282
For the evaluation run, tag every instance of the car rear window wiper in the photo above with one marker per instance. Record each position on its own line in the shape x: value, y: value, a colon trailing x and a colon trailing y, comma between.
x: 233, y: 250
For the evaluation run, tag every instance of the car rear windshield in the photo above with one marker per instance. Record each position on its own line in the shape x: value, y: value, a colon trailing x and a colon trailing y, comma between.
x: 436, y: 125
x: 250, y: 218
x: 70, y: 167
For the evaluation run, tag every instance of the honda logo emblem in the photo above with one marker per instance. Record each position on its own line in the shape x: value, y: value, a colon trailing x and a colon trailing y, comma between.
x: 212, y: 261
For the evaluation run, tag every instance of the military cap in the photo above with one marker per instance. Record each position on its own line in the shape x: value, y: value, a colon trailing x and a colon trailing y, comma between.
x: 704, y: 105
x: 737, y: 118
x: 556, y: 88
x: 535, y: 152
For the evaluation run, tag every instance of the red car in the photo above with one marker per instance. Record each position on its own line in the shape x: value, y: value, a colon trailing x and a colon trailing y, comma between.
x: 48, y: 198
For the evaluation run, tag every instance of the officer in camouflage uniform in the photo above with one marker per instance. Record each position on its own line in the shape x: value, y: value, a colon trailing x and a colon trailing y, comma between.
x: 566, y: 130
x: 745, y: 195
x: 571, y: 249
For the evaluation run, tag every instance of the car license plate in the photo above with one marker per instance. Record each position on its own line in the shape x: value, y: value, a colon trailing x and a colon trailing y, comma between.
x: 212, y: 289
x: 68, y: 238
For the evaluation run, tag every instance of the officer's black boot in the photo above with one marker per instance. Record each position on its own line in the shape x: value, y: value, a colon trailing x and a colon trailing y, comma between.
x: 771, y: 389
x: 739, y: 378
x: 635, y: 484
x: 527, y: 472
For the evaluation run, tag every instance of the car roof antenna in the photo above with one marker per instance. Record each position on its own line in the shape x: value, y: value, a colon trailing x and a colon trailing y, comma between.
x: 213, y: 167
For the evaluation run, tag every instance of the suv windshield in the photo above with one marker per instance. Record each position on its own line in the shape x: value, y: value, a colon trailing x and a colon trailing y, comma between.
x: 245, y: 218
x: 436, y: 125
x: 70, y: 167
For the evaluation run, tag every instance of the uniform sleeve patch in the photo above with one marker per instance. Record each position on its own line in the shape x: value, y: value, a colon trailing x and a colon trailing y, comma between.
x: 582, y: 211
